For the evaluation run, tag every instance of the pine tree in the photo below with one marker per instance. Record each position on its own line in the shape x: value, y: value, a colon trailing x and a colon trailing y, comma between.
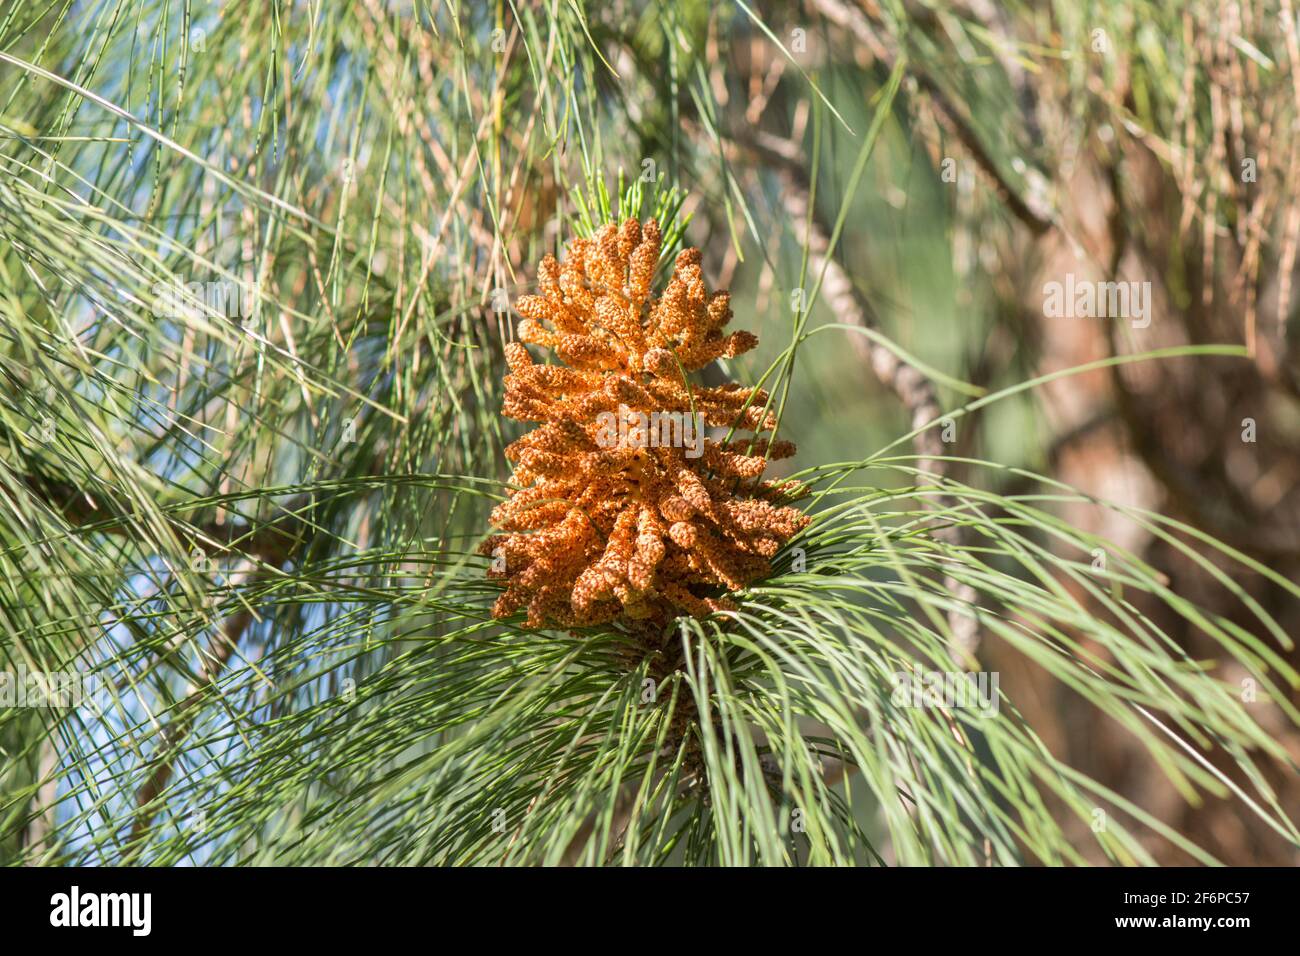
x: 276, y: 358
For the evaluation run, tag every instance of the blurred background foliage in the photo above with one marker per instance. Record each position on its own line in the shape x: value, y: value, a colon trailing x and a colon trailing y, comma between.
x: 255, y: 523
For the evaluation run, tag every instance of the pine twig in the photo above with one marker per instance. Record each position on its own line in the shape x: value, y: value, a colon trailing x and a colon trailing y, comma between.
x: 916, y: 392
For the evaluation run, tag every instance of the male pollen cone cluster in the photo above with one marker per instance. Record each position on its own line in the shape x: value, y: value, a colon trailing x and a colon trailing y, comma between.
x: 613, y: 524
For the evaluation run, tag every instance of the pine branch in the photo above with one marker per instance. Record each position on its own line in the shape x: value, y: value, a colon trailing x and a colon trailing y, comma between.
x: 859, y: 24
x: 915, y: 392
x: 222, y: 647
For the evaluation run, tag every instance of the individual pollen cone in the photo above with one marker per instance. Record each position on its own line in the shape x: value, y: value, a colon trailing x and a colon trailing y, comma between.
x: 622, y: 509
